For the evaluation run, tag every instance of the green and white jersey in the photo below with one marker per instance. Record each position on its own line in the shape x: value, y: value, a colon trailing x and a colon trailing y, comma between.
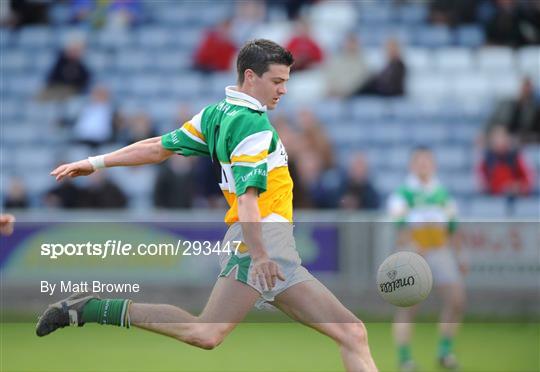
x: 245, y: 149
x: 426, y: 209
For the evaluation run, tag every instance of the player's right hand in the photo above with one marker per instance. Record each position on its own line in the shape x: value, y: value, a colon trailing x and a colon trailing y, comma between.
x: 266, y: 272
x: 72, y: 170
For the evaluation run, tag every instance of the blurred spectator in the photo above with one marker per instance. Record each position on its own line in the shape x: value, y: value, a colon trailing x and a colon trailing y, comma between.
x: 136, y: 128
x: 454, y: 12
x: 217, y: 49
x: 175, y: 184
x: 291, y: 7
x: 306, y: 51
x: 359, y: 191
x: 514, y: 24
x: 520, y: 116
x: 69, y: 76
x: 66, y: 195
x: 102, y: 193
x: 249, y: 14
x: 16, y: 196
x: 26, y: 12
x: 97, y: 121
x: 503, y: 170
x: 351, y: 60
x: 114, y: 14
x: 294, y: 146
x: 320, y: 188
x: 391, y: 80
x: 314, y: 138
x: 208, y: 193
x: 122, y: 14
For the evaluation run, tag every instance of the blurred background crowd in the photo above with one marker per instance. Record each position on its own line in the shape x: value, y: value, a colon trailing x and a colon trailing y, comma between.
x: 372, y: 80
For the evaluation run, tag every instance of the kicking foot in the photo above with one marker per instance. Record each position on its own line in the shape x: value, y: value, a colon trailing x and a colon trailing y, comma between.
x: 63, y: 313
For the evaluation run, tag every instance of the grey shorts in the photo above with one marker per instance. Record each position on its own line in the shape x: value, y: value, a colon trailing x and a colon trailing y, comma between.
x: 279, y: 243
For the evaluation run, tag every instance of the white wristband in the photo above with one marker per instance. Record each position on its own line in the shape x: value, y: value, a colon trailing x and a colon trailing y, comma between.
x: 97, y: 162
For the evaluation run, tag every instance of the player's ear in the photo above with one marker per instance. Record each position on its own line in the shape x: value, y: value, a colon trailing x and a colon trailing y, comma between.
x: 249, y: 75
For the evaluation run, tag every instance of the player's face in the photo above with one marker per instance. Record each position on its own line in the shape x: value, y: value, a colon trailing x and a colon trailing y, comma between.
x: 269, y: 88
x: 423, y: 165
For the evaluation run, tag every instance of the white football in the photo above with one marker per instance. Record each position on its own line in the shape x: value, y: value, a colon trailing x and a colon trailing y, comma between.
x: 404, y: 279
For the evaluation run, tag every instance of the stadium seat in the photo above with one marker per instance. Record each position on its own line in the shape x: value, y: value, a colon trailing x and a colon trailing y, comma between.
x: 152, y: 38
x: 418, y: 60
x: 98, y: 61
x: 527, y: 208
x: 504, y: 85
x: 451, y: 157
x: 388, y: 182
x: 470, y: 84
x: 133, y: 60
x: 531, y: 154
x: 432, y: 133
x: 453, y: 59
x: 412, y: 13
x: 496, y: 59
x: 36, y: 37
x: 428, y: 86
x: 491, y: 208
x: 433, y: 36
x: 17, y: 60
x: 529, y: 61
x: 374, y: 14
x: 469, y: 36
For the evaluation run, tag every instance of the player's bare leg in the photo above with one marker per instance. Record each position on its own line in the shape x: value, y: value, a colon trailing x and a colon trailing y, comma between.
x: 312, y: 304
x: 228, y: 304
x: 453, y: 297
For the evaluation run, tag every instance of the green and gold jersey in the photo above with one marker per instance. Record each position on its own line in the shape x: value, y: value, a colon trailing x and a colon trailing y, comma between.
x: 245, y: 149
x: 427, y: 210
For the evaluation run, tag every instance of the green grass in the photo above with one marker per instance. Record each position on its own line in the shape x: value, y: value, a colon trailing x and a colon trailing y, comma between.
x: 257, y: 347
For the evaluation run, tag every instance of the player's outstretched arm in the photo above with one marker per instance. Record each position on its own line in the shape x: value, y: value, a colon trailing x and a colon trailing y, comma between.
x: 148, y: 151
x: 265, y: 271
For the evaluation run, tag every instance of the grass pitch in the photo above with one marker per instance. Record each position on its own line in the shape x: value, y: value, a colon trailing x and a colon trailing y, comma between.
x: 257, y: 347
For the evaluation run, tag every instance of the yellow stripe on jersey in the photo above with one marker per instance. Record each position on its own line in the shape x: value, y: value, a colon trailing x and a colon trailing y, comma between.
x: 191, y: 129
x: 430, y: 236
x: 250, y: 158
x: 276, y: 199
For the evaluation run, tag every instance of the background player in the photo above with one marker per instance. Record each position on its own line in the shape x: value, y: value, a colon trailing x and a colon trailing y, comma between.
x: 252, y: 166
x: 426, y: 217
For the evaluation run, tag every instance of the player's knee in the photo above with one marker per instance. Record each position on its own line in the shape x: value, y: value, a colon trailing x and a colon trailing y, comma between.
x: 206, y: 336
x: 353, y: 335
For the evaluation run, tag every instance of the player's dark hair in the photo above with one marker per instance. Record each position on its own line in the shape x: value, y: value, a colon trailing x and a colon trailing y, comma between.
x: 258, y: 55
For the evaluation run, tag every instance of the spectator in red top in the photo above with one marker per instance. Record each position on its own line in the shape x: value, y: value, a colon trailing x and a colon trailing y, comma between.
x: 503, y: 170
x: 217, y: 49
x: 304, y: 48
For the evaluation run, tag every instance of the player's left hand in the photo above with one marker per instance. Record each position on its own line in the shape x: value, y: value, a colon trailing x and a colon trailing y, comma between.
x: 6, y: 224
x: 266, y: 272
x: 76, y: 169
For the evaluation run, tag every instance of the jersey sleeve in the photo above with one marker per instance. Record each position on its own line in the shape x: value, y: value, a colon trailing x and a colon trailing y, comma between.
x: 397, y: 208
x: 187, y: 140
x: 250, y: 145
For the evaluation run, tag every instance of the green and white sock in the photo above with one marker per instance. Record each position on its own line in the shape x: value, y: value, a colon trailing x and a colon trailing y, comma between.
x: 446, y: 345
x: 107, y: 311
x: 404, y: 353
